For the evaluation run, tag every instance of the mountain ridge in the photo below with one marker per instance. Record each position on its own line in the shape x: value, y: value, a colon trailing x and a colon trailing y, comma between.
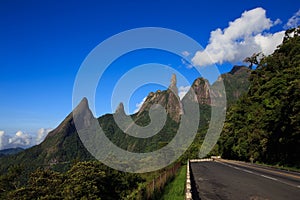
x: 63, y: 144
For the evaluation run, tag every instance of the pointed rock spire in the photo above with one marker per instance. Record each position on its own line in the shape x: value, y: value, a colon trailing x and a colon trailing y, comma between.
x: 83, y: 105
x: 81, y: 115
x: 120, y: 109
x: 173, y: 84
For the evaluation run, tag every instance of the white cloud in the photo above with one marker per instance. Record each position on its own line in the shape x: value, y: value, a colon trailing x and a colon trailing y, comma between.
x: 41, y: 134
x: 269, y: 42
x: 278, y: 21
x: 243, y: 37
x: 2, y: 134
x: 294, y: 21
x: 186, y: 64
x: 3, y: 140
x: 182, y: 90
x: 21, y: 139
x: 139, y: 105
x: 185, y: 53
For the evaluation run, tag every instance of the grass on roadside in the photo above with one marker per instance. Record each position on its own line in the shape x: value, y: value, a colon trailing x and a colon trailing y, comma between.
x: 175, y: 190
x: 293, y: 169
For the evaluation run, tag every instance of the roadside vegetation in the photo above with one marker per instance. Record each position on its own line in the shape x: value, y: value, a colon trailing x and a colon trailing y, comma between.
x: 264, y: 125
x: 175, y: 190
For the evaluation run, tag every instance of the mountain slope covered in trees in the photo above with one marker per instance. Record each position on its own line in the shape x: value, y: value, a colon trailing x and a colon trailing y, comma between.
x: 264, y: 125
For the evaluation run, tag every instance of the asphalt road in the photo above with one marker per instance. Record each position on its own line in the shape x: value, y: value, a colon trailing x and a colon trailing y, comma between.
x: 236, y: 180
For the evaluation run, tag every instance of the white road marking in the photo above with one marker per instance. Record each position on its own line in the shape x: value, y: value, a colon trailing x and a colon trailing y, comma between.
x: 245, y: 170
x: 269, y: 177
x: 258, y: 174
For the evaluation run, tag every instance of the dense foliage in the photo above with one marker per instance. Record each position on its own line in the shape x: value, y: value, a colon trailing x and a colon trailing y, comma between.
x: 264, y: 125
x: 85, y: 180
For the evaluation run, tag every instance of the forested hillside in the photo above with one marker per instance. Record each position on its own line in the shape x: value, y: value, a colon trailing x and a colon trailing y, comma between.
x: 264, y: 125
x: 85, y: 180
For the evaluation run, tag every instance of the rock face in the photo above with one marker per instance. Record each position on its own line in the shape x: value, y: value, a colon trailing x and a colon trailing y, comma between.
x: 173, y: 84
x: 201, y: 89
x: 235, y: 82
x: 168, y: 99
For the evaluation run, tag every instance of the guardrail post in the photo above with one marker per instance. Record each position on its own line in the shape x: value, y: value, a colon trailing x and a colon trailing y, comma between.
x: 188, y: 188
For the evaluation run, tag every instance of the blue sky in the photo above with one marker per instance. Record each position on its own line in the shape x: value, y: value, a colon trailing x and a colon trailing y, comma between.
x: 43, y: 43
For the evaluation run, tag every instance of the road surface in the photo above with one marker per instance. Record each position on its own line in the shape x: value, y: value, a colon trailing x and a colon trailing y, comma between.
x: 223, y: 179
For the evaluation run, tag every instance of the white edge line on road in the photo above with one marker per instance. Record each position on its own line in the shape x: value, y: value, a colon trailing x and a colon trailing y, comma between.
x: 269, y: 177
x: 245, y: 170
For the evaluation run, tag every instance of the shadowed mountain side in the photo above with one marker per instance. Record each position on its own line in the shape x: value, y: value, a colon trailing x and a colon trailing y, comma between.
x: 236, y: 83
x: 10, y: 151
x: 59, y: 149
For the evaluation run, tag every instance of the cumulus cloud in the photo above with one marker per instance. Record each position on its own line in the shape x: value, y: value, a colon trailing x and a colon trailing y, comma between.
x: 243, y: 37
x: 41, y: 134
x: 21, y: 139
x: 182, y: 90
x: 294, y: 21
x: 139, y: 105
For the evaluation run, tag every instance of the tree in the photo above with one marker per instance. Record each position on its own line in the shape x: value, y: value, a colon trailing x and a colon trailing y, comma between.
x: 253, y: 59
x: 42, y: 184
x: 264, y: 125
x: 85, y: 180
x: 11, y: 180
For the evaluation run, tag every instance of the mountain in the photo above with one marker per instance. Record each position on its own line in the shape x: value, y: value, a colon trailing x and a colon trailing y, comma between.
x: 10, y: 151
x: 60, y: 147
x: 168, y: 99
x: 63, y: 145
x: 236, y: 83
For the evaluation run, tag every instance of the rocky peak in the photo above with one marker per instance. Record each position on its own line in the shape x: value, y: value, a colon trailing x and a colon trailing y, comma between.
x: 168, y: 99
x: 238, y: 69
x: 120, y: 109
x: 82, y: 106
x: 201, y: 89
x: 82, y: 115
x: 173, y: 84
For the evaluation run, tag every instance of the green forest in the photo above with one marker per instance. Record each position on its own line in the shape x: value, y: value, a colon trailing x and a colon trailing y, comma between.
x: 84, y: 180
x: 264, y: 125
